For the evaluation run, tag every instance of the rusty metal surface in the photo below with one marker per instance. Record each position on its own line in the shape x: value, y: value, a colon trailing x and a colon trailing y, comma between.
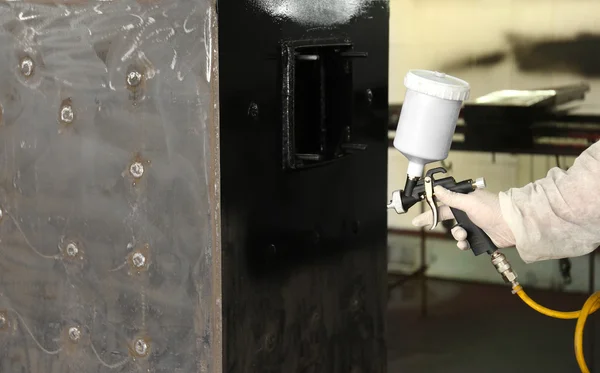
x: 109, y: 182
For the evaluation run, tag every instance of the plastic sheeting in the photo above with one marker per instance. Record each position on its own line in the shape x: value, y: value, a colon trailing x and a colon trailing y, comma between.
x: 105, y: 237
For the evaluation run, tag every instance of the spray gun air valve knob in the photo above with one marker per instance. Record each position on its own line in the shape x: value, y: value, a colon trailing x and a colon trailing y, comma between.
x: 479, y: 183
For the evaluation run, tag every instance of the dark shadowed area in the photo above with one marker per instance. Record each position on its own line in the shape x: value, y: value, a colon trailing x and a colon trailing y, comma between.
x: 578, y: 55
x: 481, y: 328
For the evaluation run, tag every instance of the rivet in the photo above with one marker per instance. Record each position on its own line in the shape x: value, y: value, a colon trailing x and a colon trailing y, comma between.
x: 66, y: 113
x: 253, y: 110
x: 270, y: 342
x: 26, y: 66
x: 369, y: 96
x: 72, y: 250
x: 136, y: 170
x: 316, y: 317
x: 1, y: 213
x: 138, y: 260
x: 354, y: 304
x: 3, y: 320
x: 141, y: 347
x: 134, y: 78
x: 74, y: 334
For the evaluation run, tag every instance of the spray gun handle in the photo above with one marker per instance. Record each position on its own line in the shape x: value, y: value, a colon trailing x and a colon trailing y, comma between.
x: 479, y: 241
x: 423, y: 190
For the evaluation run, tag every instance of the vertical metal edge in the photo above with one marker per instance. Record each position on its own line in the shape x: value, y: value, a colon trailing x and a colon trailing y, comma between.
x: 287, y: 105
x: 215, y: 198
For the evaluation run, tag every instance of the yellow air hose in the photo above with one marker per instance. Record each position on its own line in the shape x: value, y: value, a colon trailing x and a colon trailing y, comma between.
x: 591, y: 305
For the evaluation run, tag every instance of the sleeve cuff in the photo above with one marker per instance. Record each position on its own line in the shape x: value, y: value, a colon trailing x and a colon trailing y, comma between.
x: 524, y: 240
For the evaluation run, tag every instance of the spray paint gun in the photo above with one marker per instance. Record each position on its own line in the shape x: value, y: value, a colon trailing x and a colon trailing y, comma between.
x: 424, y: 135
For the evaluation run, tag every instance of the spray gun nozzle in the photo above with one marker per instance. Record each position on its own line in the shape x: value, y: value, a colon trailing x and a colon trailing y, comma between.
x: 396, y: 202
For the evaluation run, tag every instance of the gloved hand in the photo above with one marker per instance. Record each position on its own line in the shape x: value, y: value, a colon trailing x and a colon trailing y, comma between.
x: 483, y: 208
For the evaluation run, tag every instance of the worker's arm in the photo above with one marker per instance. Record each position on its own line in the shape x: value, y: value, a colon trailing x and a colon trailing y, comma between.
x: 557, y: 216
x: 554, y: 217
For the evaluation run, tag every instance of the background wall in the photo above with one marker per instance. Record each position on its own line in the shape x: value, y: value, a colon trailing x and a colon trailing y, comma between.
x: 496, y: 44
x: 493, y: 45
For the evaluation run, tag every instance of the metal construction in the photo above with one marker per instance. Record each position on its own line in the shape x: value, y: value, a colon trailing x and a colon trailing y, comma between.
x: 158, y: 214
x: 107, y: 254
x: 304, y: 223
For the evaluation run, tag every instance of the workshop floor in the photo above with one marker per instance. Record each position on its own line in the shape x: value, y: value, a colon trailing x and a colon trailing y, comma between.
x: 481, y: 328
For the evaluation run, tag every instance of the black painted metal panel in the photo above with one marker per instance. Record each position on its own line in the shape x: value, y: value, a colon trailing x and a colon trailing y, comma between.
x: 304, y: 250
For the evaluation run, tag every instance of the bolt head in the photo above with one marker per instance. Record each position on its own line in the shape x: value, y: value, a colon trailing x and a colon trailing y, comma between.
x: 141, y: 347
x: 369, y: 95
x: 316, y: 317
x: 136, y: 170
x: 26, y: 66
x: 66, y: 114
x: 74, y: 334
x: 3, y: 321
x: 138, y: 259
x: 134, y: 78
x: 72, y: 249
x: 270, y: 342
x: 253, y: 110
x: 1, y: 213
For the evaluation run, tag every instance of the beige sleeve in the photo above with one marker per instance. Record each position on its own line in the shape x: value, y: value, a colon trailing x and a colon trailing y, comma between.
x: 557, y: 216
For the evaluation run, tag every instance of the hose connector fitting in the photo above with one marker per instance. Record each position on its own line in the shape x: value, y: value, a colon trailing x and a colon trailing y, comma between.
x: 504, y: 268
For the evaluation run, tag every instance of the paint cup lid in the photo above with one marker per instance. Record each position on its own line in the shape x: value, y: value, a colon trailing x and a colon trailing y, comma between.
x: 437, y: 84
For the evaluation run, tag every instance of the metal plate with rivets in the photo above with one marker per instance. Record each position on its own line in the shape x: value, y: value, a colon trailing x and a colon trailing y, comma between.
x: 106, y: 244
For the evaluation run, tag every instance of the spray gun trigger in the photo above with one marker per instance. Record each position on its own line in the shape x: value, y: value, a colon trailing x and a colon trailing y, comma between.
x: 437, y: 170
x: 430, y: 201
x: 429, y: 195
